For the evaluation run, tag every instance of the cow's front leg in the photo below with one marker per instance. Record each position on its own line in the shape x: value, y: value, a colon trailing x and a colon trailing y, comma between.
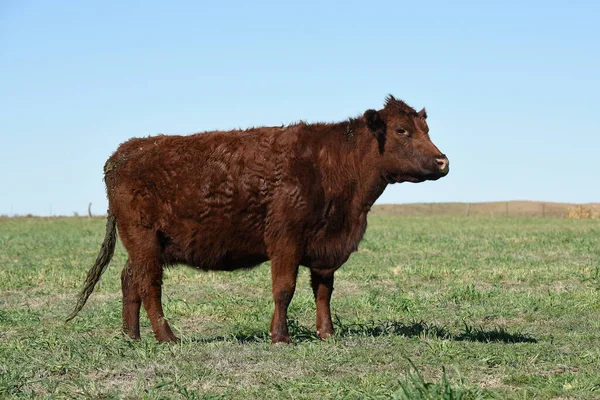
x: 284, y: 270
x: 322, y: 286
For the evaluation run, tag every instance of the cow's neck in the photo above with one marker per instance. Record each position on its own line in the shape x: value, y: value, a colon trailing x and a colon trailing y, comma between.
x: 361, y: 184
x: 370, y: 184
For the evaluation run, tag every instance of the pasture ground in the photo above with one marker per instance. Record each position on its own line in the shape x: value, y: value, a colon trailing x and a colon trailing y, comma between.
x: 430, y: 307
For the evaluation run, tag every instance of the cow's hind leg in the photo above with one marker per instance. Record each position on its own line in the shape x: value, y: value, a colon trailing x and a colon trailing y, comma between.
x: 322, y: 286
x: 131, y: 303
x: 143, y: 276
x: 149, y: 283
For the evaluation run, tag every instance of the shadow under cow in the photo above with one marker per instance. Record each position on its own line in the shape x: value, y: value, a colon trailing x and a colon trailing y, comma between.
x: 300, y: 333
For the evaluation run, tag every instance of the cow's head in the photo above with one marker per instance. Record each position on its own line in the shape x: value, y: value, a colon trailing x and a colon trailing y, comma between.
x: 406, y: 153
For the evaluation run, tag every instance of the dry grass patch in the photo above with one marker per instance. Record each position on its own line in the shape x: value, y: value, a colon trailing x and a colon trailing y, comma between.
x: 582, y: 212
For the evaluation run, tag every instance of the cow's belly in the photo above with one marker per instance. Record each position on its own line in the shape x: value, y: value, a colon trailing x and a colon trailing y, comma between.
x: 229, y: 262
x: 214, y: 245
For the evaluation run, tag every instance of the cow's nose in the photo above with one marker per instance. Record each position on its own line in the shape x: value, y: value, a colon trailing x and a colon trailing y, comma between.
x: 443, y: 164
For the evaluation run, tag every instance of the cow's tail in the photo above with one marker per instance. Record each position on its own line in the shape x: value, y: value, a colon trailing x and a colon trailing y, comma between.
x: 104, y: 256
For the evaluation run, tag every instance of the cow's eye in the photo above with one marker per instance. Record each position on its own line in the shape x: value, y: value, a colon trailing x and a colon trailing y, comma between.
x: 402, y: 132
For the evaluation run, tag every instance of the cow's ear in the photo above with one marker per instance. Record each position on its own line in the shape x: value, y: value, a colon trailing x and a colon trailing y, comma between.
x: 374, y: 122
x: 376, y: 125
x: 423, y: 113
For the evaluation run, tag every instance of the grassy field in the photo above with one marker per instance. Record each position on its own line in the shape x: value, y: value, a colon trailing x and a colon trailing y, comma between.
x: 430, y: 307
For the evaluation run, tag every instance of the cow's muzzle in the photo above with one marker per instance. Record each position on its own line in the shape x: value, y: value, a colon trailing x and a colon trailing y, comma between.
x: 443, y: 165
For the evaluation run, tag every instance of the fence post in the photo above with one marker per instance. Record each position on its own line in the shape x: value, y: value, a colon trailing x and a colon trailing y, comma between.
x: 543, y: 210
x: 90, y: 210
x: 468, y: 209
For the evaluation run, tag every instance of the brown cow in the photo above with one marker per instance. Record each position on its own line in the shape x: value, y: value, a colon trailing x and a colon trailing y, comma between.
x: 295, y: 195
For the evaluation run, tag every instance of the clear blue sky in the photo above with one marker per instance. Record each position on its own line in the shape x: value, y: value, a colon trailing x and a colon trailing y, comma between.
x: 512, y: 88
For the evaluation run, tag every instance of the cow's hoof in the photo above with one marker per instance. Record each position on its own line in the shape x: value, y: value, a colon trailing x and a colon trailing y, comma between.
x: 281, y: 339
x: 131, y: 336
x: 167, y: 339
x: 325, y: 333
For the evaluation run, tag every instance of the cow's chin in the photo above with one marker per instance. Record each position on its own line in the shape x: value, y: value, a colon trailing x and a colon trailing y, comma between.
x: 414, y: 179
x: 399, y: 178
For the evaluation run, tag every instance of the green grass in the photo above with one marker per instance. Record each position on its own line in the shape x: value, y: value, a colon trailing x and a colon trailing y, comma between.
x: 429, y: 308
